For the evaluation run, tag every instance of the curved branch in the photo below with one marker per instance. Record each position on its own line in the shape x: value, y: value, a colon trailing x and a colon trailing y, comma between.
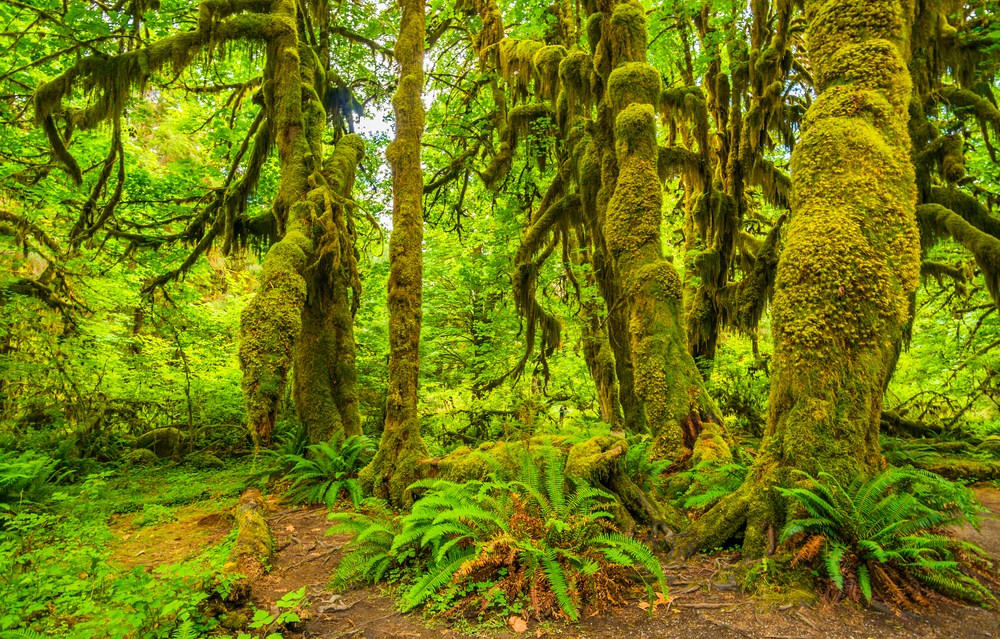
x: 936, y: 220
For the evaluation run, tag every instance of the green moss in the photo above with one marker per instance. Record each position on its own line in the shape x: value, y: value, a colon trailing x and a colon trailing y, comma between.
x: 635, y: 82
x: 627, y: 33
x: 251, y: 553
x: 546, y: 63
x: 593, y: 27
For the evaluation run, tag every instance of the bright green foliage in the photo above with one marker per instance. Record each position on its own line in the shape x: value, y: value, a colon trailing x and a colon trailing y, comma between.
x: 328, y: 469
x: 26, y: 477
x: 881, y: 534
x: 478, y: 543
x: 710, y: 481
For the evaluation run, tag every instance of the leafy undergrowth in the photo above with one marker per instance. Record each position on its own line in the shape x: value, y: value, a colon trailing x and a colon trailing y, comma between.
x: 543, y: 546
x: 72, y: 562
x: 885, y: 537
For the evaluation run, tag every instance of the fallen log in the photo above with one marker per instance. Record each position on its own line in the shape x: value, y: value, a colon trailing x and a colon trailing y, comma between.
x: 252, y: 553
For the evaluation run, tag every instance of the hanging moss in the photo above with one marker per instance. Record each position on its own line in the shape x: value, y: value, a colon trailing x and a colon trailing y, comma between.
x: 522, y: 122
x: 546, y: 64
x: 575, y: 73
x: 626, y: 34
x: 594, y: 26
x: 754, y: 293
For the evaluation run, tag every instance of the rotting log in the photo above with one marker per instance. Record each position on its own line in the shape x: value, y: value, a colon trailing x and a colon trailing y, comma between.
x: 963, y: 469
x: 251, y: 554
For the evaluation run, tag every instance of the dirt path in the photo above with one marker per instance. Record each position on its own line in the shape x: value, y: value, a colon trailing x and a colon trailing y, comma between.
x: 699, y: 607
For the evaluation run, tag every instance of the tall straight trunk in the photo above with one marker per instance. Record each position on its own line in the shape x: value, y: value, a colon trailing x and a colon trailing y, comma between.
x: 396, y: 464
x: 851, y: 260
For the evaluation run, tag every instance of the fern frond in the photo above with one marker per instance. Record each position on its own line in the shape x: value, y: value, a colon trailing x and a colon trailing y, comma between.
x: 437, y: 575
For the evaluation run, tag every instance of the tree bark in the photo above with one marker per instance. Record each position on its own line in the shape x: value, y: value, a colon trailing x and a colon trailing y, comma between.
x: 851, y: 260
x: 677, y: 409
x: 396, y: 464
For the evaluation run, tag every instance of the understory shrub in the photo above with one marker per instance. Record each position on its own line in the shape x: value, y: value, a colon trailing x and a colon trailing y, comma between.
x: 543, y: 544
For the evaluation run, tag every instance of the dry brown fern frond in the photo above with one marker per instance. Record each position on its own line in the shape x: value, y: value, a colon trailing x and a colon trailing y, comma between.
x: 809, y: 550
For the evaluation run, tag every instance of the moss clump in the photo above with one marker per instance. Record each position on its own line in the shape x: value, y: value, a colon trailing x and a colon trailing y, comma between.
x: 635, y: 82
x: 627, y: 32
x: 594, y: 27
x: 546, y: 63
x: 575, y: 72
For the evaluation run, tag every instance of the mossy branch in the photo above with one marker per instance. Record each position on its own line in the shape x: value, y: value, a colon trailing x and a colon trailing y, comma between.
x: 111, y: 79
x: 938, y: 221
x: 754, y: 293
x: 968, y: 207
x: 27, y: 227
x: 980, y: 106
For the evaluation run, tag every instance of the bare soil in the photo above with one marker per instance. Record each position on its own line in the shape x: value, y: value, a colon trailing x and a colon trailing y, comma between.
x: 699, y: 607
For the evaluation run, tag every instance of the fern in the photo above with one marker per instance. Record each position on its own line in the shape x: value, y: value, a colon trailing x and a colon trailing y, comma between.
x: 25, y: 478
x: 543, y: 534
x: 370, y: 554
x: 329, y: 469
x: 709, y: 482
x: 184, y: 631
x: 887, y: 527
x: 20, y: 634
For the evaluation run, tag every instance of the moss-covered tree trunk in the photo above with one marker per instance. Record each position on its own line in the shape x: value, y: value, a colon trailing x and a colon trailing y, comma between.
x: 306, y: 210
x: 849, y: 264
x: 677, y: 409
x: 326, y: 388
x: 395, y: 465
x: 270, y: 324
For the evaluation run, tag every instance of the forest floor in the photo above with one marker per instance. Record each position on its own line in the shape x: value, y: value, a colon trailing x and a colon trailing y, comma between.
x: 698, y: 606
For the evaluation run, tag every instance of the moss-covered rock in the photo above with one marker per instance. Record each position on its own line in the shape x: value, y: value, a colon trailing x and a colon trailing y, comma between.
x: 141, y: 457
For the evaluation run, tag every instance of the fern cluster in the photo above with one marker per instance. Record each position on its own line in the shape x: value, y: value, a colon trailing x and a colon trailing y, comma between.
x: 327, y: 469
x: 903, y: 452
x: 710, y: 481
x: 638, y: 465
x: 25, y: 478
x: 543, y: 541
x: 883, y: 536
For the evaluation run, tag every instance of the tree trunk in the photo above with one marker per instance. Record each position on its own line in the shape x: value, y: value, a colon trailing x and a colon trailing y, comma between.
x: 326, y: 388
x: 396, y: 464
x: 677, y: 409
x: 271, y: 322
x: 307, y: 209
x: 848, y: 268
